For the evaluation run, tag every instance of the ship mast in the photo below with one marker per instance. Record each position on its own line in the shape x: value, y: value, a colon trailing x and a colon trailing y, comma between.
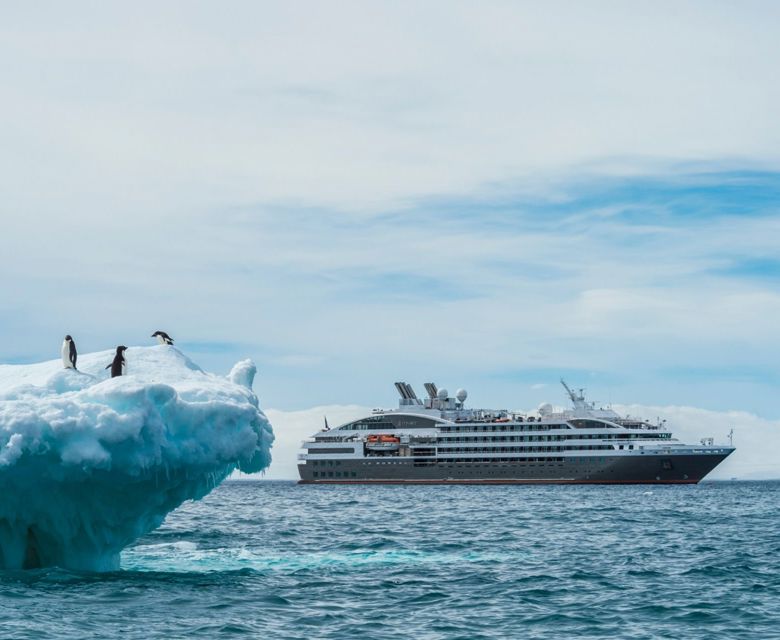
x: 577, y: 400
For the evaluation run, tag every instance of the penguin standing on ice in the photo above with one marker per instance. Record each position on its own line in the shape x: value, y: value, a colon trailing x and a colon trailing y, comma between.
x: 163, y: 337
x: 69, y: 353
x: 119, y: 364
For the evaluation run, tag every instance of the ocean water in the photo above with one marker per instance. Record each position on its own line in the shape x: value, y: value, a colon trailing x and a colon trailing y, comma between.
x: 278, y: 560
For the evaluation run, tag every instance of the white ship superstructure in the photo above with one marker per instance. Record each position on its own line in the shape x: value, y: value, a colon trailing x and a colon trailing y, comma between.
x: 439, y: 440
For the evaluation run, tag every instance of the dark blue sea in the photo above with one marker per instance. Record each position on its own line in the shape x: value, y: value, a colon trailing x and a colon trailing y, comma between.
x: 278, y: 560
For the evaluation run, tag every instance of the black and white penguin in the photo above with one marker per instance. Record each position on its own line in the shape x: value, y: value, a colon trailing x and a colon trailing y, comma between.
x: 162, y: 337
x: 119, y: 365
x: 68, y: 353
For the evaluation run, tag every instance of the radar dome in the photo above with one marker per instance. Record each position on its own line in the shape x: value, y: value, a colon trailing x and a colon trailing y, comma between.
x: 443, y: 394
x: 461, y: 395
x: 545, y: 409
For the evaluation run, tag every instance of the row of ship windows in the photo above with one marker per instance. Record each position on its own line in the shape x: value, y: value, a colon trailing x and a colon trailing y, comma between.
x: 584, y: 436
x: 449, y: 461
x: 505, y: 462
x: 353, y: 474
x: 587, y: 447
x: 541, y: 460
x: 509, y: 427
x: 335, y: 474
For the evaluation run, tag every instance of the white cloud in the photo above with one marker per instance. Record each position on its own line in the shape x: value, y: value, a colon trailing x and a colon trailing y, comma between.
x: 267, y: 176
x: 361, y: 105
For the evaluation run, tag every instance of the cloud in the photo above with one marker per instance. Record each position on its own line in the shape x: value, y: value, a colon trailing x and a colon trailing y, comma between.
x: 494, y: 194
x: 489, y: 290
x: 199, y: 107
x: 757, y: 440
x: 762, y: 268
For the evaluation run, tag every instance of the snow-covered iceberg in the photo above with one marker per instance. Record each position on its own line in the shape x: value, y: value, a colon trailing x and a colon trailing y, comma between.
x: 88, y: 464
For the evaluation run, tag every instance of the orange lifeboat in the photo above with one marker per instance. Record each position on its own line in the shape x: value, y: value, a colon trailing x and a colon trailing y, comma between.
x: 383, y: 442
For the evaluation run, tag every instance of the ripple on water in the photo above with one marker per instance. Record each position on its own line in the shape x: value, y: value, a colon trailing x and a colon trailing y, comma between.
x: 262, y: 559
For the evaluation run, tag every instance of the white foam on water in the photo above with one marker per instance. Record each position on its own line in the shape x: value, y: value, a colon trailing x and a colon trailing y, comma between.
x: 149, y: 558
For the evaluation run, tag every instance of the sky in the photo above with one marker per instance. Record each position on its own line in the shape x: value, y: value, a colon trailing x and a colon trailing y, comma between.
x: 485, y: 195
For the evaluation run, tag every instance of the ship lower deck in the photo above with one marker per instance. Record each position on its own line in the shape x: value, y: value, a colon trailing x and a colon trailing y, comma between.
x: 634, y: 469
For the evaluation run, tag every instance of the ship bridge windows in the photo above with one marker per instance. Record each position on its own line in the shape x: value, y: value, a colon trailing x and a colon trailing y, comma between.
x: 371, y: 422
x: 391, y: 421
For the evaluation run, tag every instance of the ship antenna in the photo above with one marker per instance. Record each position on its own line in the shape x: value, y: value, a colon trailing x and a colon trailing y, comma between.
x: 327, y: 428
x: 731, y: 437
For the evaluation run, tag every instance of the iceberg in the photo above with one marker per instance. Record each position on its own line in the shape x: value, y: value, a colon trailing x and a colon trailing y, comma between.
x: 88, y: 463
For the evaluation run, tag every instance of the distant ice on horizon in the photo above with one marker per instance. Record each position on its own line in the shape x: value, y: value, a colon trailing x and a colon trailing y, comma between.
x: 88, y: 463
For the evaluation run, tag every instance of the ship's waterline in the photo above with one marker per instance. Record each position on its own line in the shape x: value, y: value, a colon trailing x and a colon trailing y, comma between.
x: 439, y: 440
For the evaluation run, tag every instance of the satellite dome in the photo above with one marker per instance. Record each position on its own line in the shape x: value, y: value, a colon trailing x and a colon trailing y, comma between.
x: 443, y: 394
x: 461, y: 395
x: 545, y: 409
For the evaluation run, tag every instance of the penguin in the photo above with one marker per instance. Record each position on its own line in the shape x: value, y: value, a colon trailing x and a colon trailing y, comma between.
x: 162, y: 337
x: 68, y: 352
x: 119, y: 365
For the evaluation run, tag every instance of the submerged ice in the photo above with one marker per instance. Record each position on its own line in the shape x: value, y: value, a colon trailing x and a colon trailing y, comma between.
x: 88, y: 464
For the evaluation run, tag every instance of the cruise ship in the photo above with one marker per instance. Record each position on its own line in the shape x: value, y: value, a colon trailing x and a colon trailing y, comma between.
x: 439, y: 440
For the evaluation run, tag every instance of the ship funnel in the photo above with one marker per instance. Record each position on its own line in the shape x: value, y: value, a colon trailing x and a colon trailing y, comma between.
x: 410, y: 391
x: 408, y: 396
x: 401, y: 387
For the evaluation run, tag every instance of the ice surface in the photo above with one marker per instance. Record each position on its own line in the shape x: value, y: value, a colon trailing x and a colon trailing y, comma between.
x: 88, y: 463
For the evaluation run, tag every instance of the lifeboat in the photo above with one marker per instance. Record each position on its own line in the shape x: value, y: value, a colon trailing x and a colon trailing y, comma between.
x: 382, y: 442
